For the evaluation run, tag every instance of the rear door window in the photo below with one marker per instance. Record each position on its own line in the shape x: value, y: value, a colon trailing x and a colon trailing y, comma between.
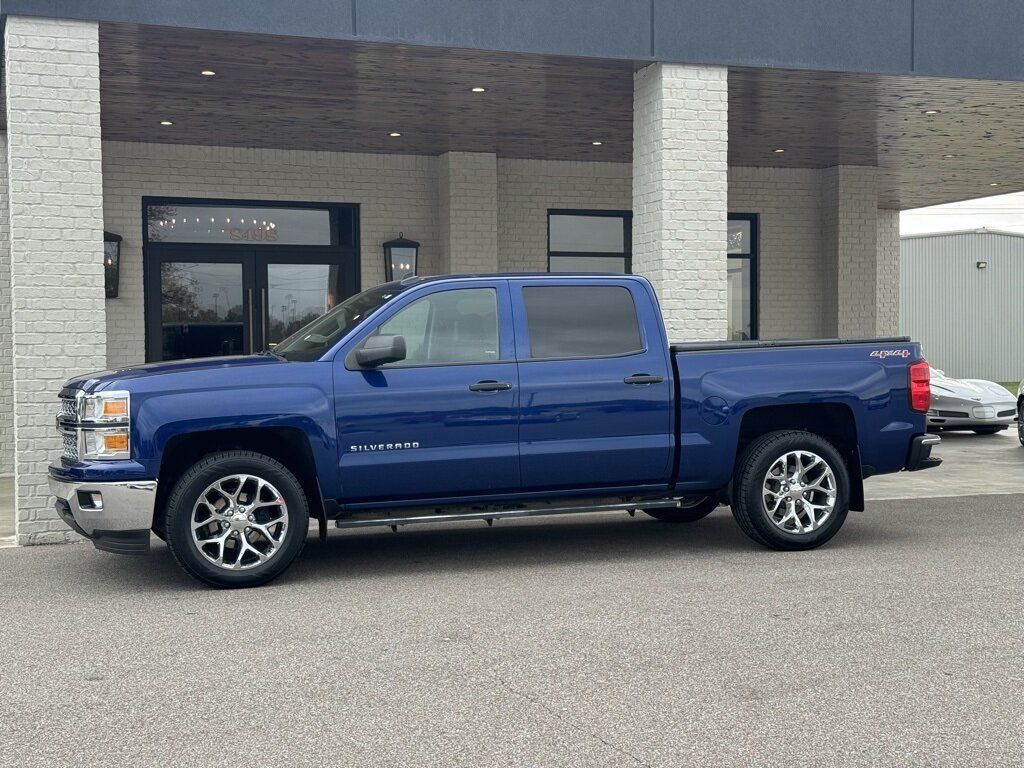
x: 565, y: 321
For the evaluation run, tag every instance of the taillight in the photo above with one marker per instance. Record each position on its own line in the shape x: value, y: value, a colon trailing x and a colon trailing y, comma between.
x: 920, y: 386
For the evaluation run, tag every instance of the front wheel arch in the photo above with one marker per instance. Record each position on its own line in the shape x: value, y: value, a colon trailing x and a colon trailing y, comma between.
x: 263, y: 516
x: 288, y: 445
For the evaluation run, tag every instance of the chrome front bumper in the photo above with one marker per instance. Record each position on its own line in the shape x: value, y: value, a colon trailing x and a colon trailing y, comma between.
x: 117, y: 516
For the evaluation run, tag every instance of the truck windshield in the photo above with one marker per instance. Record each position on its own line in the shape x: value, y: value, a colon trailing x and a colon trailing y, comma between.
x: 310, y: 342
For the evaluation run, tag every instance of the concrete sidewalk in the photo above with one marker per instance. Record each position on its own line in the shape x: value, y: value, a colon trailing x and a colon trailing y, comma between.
x: 972, y: 465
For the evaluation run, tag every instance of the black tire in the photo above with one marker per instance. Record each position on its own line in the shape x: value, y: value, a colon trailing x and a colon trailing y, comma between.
x: 751, y: 477
x: 987, y: 430
x: 690, y: 510
x: 1020, y: 423
x: 198, y: 479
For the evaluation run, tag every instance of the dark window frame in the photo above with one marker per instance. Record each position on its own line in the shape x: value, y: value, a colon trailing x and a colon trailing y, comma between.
x: 627, y: 236
x: 753, y: 258
x: 346, y: 255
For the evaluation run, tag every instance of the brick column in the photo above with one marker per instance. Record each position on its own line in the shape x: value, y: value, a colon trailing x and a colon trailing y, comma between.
x: 52, y: 87
x: 861, y: 250
x: 468, y: 210
x: 887, y: 274
x: 680, y: 194
x: 6, y: 355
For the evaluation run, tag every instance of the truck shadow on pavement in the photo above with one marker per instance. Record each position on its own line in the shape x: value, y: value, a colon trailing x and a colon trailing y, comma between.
x: 474, y: 548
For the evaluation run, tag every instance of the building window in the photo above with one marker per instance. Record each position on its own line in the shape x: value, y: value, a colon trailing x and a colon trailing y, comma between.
x: 742, y: 275
x: 600, y: 241
x: 589, y: 241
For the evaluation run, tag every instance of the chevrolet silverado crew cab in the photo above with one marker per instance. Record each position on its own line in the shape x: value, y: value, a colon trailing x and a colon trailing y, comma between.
x: 482, y: 397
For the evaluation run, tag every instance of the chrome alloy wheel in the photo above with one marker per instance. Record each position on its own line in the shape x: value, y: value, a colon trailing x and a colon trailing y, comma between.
x: 799, y: 492
x: 239, y: 522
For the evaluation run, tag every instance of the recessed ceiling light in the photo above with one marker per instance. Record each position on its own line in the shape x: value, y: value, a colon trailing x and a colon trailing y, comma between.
x: 994, y: 184
x: 778, y: 151
x: 930, y: 112
x: 166, y: 122
x: 478, y: 89
x: 394, y: 134
x: 949, y: 157
x: 597, y: 143
x: 207, y: 73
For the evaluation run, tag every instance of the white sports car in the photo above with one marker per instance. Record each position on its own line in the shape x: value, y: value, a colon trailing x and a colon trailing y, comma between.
x: 975, y: 404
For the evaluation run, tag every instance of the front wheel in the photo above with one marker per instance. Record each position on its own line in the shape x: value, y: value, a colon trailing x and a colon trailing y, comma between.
x: 791, y: 491
x: 1020, y: 423
x: 689, y: 510
x: 236, y: 519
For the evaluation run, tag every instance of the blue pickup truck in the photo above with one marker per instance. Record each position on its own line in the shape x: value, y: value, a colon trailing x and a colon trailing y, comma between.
x: 482, y: 397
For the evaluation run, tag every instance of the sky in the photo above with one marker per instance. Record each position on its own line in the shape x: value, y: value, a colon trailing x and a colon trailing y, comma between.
x: 997, y: 212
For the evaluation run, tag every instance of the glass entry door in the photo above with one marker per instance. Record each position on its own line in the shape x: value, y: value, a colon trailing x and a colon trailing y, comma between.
x: 234, y: 278
x: 203, y: 308
x: 214, y: 303
x: 293, y: 292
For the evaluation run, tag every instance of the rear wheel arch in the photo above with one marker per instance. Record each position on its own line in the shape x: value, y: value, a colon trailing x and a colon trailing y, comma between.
x: 288, y: 445
x: 832, y: 421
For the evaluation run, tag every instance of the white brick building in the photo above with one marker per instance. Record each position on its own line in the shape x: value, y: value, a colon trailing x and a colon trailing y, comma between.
x: 761, y: 202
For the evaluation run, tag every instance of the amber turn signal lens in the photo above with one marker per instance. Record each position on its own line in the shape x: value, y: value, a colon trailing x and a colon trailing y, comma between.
x: 115, y: 442
x: 115, y: 408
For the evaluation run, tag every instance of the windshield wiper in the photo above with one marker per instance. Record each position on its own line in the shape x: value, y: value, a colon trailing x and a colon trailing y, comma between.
x: 272, y: 353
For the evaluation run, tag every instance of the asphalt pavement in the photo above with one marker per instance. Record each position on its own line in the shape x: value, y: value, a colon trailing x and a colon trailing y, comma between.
x: 599, y: 640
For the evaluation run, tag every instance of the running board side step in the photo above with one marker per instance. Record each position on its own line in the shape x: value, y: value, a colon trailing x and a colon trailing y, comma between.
x: 490, y: 516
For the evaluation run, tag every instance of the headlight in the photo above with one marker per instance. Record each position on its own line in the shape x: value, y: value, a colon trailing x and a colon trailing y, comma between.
x: 106, y: 443
x: 109, y: 407
x: 96, y: 426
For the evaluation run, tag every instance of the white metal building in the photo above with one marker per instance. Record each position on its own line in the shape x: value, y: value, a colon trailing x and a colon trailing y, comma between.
x: 960, y: 295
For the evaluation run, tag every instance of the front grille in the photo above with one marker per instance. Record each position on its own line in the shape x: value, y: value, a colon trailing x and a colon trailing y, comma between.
x: 954, y: 414
x: 68, y: 409
x: 70, y: 440
x: 1010, y: 412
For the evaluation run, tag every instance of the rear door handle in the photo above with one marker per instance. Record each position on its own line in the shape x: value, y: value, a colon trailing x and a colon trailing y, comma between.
x: 490, y: 386
x: 643, y: 378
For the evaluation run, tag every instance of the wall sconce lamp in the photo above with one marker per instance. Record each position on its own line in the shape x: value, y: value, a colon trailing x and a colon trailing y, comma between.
x: 111, y: 263
x: 981, y: 264
x: 400, y: 258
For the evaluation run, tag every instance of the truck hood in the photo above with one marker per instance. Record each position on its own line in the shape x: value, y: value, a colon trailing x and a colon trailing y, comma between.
x: 94, y: 382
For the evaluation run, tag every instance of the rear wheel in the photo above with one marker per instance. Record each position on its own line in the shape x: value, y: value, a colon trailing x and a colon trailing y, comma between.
x: 791, y: 491
x: 690, y: 510
x: 236, y: 519
x: 1020, y: 423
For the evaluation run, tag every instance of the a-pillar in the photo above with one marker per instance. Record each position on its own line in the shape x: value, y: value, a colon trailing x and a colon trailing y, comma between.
x: 680, y: 194
x: 55, y: 195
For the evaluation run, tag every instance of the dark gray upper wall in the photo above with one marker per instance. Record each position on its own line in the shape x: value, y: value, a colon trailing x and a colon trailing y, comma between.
x: 928, y: 37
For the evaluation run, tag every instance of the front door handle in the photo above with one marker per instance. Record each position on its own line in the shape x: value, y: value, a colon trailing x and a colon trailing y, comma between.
x: 490, y: 386
x: 643, y: 378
